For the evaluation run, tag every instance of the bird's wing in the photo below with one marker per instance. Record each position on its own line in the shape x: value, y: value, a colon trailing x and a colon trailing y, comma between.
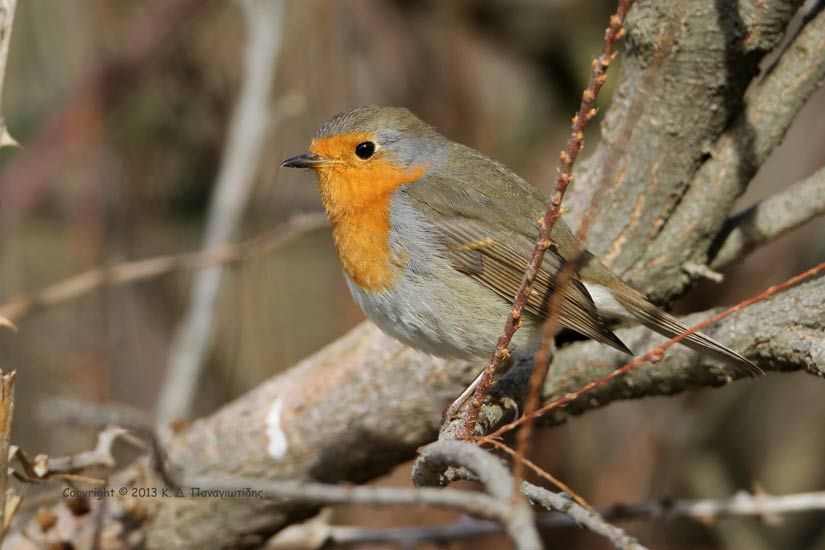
x: 498, y: 260
x: 496, y: 253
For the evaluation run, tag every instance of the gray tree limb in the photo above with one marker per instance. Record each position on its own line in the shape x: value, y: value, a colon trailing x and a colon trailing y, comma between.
x: 316, y: 534
x: 589, y: 519
x: 515, y: 517
x: 699, y: 139
x: 770, y: 108
x: 770, y: 218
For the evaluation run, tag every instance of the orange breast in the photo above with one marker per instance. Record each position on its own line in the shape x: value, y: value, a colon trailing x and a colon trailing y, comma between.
x: 357, y: 197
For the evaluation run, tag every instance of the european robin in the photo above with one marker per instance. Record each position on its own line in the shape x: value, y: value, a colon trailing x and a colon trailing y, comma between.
x: 434, y: 238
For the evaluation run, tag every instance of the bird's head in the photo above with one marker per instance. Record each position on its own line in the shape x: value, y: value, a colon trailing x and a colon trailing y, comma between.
x: 365, y: 154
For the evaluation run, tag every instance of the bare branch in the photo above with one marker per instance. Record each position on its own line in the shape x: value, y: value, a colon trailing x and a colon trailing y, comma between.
x: 590, y: 519
x: 100, y: 456
x: 770, y: 218
x: 141, y: 270
x: 250, y: 122
x: 656, y: 353
x: 362, y: 429
x: 6, y: 416
x: 517, y: 518
x: 718, y: 54
x: 741, y: 504
x: 7, y: 8
x: 437, y: 460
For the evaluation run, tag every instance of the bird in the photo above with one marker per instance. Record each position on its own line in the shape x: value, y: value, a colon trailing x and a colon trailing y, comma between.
x: 434, y: 238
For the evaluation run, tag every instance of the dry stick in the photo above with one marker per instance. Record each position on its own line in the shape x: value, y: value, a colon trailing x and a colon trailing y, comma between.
x: 251, y: 120
x: 43, y: 467
x: 542, y: 473
x: 141, y: 270
x: 6, y: 415
x: 656, y: 353
x: 485, y: 468
x: 5, y: 323
x: 741, y: 504
x: 541, y: 361
x: 545, y: 225
x: 586, y: 517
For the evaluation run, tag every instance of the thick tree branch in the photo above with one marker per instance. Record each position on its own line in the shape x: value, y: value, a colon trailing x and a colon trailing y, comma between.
x: 770, y: 218
x: 770, y: 108
x: 698, y: 92
x: 328, y: 420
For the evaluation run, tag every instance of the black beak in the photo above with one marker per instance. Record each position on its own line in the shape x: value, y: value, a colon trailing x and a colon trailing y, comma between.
x: 307, y: 160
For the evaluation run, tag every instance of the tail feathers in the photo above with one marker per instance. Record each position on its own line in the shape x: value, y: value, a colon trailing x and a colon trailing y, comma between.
x: 667, y: 325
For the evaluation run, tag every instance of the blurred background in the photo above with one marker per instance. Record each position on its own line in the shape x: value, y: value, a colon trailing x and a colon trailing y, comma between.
x: 129, y: 144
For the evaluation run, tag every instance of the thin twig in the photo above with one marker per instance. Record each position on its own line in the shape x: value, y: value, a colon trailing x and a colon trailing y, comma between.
x: 586, y: 517
x: 248, y: 129
x: 6, y: 416
x: 544, y: 353
x: 598, y: 77
x: 141, y: 270
x: 542, y: 357
x: 6, y: 323
x: 655, y: 354
x: 542, y: 473
x: 45, y: 467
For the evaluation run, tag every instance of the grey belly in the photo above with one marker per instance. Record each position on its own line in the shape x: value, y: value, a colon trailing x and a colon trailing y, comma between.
x: 442, y: 312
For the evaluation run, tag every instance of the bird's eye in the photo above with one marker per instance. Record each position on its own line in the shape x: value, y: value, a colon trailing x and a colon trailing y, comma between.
x: 365, y: 150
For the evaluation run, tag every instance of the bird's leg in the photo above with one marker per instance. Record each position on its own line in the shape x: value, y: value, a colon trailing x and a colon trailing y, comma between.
x: 452, y: 411
x: 466, y: 408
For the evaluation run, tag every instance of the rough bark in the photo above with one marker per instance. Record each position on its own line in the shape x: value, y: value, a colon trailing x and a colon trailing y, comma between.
x: 690, y: 115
